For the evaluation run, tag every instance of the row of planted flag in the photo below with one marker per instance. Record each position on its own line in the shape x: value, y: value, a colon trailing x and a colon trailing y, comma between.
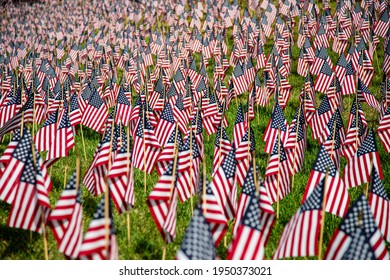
x: 85, y: 73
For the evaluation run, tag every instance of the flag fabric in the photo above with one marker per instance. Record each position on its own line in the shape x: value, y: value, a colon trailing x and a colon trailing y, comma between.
x: 95, y: 113
x: 383, y: 130
x: 278, y: 172
x: 95, y: 177
x: 300, y: 235
x: 277, y: 123
x: 379, y: 203
x: 66, y: 220
x: 25, y: 185
x: 356, y: 132
x: 357, y: 170
x: 63, y: 140
x: 214, y: 212
x: 146, y: 145
x: 162, y: 203
x: 198, y: 243
x: 121, y: 177
x: 359, y: 216
x: 96, y: 245
x: 224, y: 184
x: 166, y: 125
x: 337, y: 198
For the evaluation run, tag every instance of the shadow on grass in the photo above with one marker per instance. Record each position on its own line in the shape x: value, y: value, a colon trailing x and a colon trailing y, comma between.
x: 16, y: 242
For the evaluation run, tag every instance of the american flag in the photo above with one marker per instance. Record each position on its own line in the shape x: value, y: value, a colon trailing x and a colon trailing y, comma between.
x: 95, y: 113
x: 46, y: 133
x: 239, y: 79
x: 123, y: 109
x: 96, y: 245
x: 365, y: 95
x: 63, y: 140
x: 224, y: 185
x: 167, y: 154
x: 198, y: 243
x: 121, y: 178
x: 356, y: 132
x: 297, y: 140
x: 322, y: 117
x: 379, y: 203
x: 162, y: 202
x: 383, y: 130
x: 324, y: 78
x: 337, y: 198
x: 95, y: 177
x: 240, y: 127
x: 300, y: 235
x: 348, y: 84
x: 243, y: 155
x: 382, y: 26
x: 148, y: 146
x: 25, y: 185
x: 179, y: 114
x: 358, y: 216
x: 277, y: 174
x: 248, y: 192
x: 213, y: 211
x: 357, y: 170
x: 66, y: 219
x: 74, y: 110
x: 10, y: 108
x: 249, y: 241
x: 25, y: 114
x: 277, y: 122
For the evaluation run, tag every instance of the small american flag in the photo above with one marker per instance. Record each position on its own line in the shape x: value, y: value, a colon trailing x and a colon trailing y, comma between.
x: 198, y: 243
x: 357, y: 170
x: 66, y: 220
x: 337, y: 198
x: 358, y: 216
x: 95, y: 243
x: 300, y: 235
x: 379, y: 203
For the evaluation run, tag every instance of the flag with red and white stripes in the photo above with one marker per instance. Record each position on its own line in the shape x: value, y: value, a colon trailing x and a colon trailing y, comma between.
x: 358, y: 216
x: 300, y: 235
x: 357, y: 171
x: 380, y: 204
x: 66, y: 219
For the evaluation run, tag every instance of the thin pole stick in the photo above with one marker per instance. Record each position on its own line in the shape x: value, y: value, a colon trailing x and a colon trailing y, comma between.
x: 82, y: 139
x: 144, y: 146
x: 368, y: 183
x: 77, y: 172
x: 323, y: 217
x: 65, y: 170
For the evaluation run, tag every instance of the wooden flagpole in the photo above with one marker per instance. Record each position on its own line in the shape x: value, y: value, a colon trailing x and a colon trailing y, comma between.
x: 368, y: 183
x: 323, y: 216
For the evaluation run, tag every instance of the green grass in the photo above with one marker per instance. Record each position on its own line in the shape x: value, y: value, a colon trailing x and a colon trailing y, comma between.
x: 146, y: 241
